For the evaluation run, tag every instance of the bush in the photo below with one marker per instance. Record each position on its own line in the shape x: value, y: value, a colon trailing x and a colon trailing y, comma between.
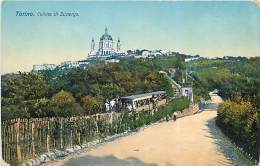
x: 64, y: 105
x: 12, y: 112
x: 175, y: 105
x: 239, y: 120
x: 133, y: 120
x: 92, y: 105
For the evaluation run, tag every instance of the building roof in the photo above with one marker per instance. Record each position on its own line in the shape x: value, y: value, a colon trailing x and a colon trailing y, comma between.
x: 143, y: 96
x: 106, y: 36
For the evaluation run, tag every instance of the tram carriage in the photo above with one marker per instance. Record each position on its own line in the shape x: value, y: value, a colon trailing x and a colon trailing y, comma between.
x: 143, y: 102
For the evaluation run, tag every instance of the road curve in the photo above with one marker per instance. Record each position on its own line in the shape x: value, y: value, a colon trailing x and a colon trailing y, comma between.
x: 190, y: 141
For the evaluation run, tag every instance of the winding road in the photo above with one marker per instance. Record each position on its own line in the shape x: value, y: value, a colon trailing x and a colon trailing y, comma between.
x: 190, y: 141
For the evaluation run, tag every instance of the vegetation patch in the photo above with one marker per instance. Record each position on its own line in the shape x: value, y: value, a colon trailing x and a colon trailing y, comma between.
x: 240, y: 121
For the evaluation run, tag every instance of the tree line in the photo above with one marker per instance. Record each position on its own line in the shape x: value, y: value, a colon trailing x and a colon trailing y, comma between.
x: 237, y: 80
x: 82, y: 91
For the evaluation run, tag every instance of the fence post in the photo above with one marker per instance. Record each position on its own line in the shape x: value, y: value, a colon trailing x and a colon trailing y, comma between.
x: 33, y: 143
x: 3, y: 140
x: 258, y: 158
x: 78, y: 138
x: 111, y: 118
x: 8, y: 140
x: 48, y: 137
x: 71, y: 138
x: 18, y: 147
x: 96, y: 122
x: 61, y: 133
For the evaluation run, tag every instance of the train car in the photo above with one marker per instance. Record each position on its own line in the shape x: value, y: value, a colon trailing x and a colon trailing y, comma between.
x: 143, y: 102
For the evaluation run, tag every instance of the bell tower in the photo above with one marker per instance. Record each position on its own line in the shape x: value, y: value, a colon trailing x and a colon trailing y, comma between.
x: 92, y: 45
x: 118, y: 46
x: 106, y: 31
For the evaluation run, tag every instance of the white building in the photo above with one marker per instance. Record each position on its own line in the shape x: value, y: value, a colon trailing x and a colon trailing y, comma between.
x: 112, y: 61
x: 187, y: 91
x: 146, y: 53
x: 156, y: 53
x: 105, y: 48
x: 44, y: 67
x: 140, y: 56
x: 70, y: 64
x: 166, y: 53
x: 191, y: 59
x: 73, y: 64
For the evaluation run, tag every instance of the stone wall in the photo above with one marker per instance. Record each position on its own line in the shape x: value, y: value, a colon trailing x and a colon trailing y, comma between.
x: 193, y: 109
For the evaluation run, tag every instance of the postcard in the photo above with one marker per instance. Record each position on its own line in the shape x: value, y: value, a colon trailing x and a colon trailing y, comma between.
x: 130, y: 83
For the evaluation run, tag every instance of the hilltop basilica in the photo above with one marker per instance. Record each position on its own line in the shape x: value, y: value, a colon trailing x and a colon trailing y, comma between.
x: 105, y: 49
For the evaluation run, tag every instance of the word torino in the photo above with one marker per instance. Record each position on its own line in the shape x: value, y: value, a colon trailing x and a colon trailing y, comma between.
x: 19, y: 13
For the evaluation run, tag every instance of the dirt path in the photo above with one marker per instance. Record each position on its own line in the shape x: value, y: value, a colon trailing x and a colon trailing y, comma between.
x: 190, y: 141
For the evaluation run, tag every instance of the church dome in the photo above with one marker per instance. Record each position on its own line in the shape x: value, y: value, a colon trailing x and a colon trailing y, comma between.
x: 106, y: 36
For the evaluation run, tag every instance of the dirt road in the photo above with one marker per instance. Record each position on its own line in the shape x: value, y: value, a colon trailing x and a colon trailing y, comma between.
x: 190, y: 141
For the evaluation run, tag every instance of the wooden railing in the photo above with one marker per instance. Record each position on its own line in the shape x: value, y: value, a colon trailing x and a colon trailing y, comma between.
x: 23, y: 139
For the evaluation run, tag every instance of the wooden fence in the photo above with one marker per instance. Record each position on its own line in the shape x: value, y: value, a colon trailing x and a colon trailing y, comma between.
x: 23, y: 139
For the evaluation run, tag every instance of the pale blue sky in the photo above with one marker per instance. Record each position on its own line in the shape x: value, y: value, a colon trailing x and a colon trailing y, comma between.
x: 205, y: 28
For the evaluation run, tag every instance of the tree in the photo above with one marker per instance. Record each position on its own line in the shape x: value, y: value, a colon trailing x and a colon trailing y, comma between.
x: 64, y: 104
x: 41, y: 108
x: 126, y: 81
x: 63, y: 99
x: 151, y: 81
x: 92, y: 104
x: 110, y: 91
x: 12, y: 112
x: 27, y: 86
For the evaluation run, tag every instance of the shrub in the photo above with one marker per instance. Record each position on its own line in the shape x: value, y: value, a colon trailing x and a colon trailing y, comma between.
x: 239, y: 120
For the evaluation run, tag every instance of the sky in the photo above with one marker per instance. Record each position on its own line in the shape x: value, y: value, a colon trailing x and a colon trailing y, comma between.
x: 209, y: 29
